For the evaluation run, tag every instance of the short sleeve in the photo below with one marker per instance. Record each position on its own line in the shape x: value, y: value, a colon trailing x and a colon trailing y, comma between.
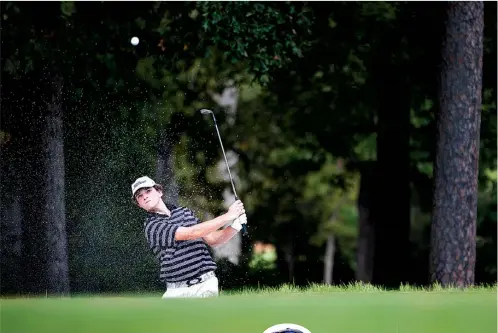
x: 162, y: 234
x: 192, y: 216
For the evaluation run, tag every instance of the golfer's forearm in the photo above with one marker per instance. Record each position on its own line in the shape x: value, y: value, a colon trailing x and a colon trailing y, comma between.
x: 220, y: 237
x: 205, y: 228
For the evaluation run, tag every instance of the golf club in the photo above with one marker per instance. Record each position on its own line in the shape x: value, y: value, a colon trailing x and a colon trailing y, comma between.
x: 207, y: 111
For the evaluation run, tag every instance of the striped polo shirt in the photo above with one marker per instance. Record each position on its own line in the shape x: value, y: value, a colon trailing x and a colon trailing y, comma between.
x: 179, y: 260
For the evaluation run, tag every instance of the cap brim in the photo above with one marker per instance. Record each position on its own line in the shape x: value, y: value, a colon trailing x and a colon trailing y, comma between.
x: 138, y: 189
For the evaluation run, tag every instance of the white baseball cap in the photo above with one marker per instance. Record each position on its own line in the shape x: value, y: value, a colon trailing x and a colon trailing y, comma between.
x: 141, y: 183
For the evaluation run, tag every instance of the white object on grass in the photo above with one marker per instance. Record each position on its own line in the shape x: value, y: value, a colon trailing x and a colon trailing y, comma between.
x: 135, y: 41
x: 286, y: 328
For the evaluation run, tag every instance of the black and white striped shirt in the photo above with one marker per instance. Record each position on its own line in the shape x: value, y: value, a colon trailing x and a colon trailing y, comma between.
x: 179, y: 260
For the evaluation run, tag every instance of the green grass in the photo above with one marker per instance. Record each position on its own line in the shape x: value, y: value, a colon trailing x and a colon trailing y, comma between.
x: 347, y: 309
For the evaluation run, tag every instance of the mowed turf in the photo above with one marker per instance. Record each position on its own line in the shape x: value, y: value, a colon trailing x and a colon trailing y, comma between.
x: 327, y: 310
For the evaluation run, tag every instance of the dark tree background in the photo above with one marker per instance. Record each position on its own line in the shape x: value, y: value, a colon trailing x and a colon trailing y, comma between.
x: 363, y: 152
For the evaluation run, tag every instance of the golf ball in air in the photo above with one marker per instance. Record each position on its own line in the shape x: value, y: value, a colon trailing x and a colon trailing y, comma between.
x: 134, y: 40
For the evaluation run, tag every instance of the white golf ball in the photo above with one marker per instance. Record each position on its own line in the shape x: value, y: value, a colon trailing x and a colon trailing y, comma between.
x: 134, y: 41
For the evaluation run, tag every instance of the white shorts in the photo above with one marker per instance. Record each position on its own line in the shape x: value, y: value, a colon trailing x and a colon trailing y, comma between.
x: 208, y: 288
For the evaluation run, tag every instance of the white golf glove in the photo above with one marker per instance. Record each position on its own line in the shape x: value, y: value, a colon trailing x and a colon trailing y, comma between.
x: 238, y: 222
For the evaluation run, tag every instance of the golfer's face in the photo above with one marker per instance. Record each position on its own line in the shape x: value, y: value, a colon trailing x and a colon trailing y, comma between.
x: 148, y: 198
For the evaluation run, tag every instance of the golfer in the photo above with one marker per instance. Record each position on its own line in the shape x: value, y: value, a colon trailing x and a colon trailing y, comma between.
x: 180, y: 241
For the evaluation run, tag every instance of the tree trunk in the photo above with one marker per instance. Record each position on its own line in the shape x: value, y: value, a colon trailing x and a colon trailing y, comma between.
x: 453, y: 234
x: 366, y: 232
x: 11, y: 244
x: 390, y: 210
x: 328, y: 261
x: 11, y: 217
x: 285, y: 255
x: 290, y: 259
x: 24, y: 117
x: 54, y: 214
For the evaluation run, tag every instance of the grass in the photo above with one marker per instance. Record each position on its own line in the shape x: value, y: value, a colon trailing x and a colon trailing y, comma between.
x: 354, y: 308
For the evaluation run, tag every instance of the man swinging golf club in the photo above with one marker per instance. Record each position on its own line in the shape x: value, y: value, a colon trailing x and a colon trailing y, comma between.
x: 180, y: 241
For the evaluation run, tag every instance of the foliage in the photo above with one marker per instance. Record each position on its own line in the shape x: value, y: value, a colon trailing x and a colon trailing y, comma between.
x: 263, y: 261
x: 330, y: 196
x: 486, y: 232
x: 265, y: 36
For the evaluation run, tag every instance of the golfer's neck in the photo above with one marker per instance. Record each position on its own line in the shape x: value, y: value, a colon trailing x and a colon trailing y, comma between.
x: 161, y: 209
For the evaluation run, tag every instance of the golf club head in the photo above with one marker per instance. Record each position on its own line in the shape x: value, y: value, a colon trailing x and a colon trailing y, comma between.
x: 206, y: 111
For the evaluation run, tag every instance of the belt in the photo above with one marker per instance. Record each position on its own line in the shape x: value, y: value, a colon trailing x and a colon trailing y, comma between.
x: 190, y: 282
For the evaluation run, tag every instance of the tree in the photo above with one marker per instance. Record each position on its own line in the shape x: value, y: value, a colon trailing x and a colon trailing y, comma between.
x: 45, y: 242
x: 51, y: 57
x: 53, y: 191
x: 453, y: 238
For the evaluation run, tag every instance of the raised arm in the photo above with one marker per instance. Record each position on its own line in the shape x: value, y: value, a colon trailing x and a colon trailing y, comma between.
x: 204, y: 228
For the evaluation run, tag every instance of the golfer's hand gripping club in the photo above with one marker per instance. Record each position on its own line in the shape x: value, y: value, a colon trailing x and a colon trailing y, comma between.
x: 238, y: 213
x: 244, y: 222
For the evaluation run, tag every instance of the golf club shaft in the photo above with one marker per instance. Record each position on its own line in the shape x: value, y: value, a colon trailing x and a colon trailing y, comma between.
x: 244, y: 228
x: 226, y: 161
